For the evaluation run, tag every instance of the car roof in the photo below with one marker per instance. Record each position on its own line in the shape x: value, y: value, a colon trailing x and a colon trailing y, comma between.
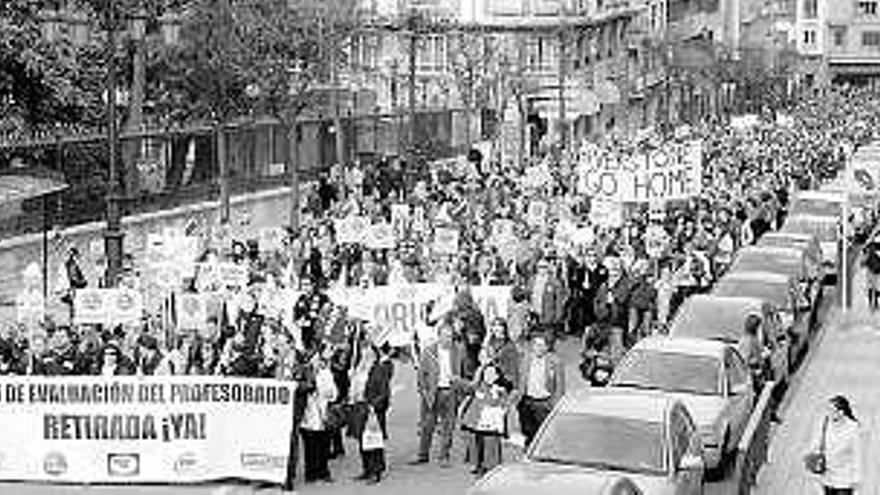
x: 774, y: 250
x: 682, y: 345
x: 700, y: 300
x: 639, y: 405
x: 797, y: 236
x: 836, y: 196
x: 811, y: 218
x: 755, y: 276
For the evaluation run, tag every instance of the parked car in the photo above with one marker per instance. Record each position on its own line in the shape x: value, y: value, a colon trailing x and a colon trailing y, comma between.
x: 722, y: 318
x: 806, y: 241
x: 786, y: 261
x: 709, y: 376
x: 827, y: 230
x: 599, y: 441
x: 795, y: 312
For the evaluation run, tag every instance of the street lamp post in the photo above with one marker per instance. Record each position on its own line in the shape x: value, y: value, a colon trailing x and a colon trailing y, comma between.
x: 113, y: 235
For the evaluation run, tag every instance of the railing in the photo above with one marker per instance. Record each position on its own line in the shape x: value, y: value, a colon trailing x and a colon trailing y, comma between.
x: 751, y: 453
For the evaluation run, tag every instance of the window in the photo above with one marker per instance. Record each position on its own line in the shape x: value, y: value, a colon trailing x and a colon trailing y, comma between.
x: 541, y: 54
x: 431, y: 55
x: 364, y: 51
x: 811, y: 9
x: 809, y: 37
x: 868, y: 7
x: 871, y: 38
x: 838, y: 35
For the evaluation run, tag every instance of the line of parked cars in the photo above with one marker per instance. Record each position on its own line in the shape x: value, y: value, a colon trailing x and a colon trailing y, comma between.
x: 676, y: 405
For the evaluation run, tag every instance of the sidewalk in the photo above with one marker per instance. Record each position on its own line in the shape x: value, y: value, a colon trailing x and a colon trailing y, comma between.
x: 844, y: 360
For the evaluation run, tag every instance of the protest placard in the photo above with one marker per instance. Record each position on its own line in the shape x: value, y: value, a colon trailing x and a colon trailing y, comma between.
x: 537, y: 213
x: 672, y: 172
x: 606, y: 213
x: 492, y: 300
x: 656, y: 241
x: 381, y: 236
x: 352, y: 229
x: 271, y: 239
x: 400, y: 219
x: 446, y: 240
x: 126, y: 305
x: 232, y: 275
x: 150, y: 429
x: 30, y: 307
x: 91, y: 306
x: 192, y: 311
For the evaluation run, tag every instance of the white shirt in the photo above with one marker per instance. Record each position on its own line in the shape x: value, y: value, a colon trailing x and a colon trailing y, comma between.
x: 444, y: 365
x: 842, y: 454
x: 537, y: 384
x: 319, y: 400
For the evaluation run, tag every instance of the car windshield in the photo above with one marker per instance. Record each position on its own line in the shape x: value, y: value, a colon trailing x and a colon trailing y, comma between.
x: 826, y: 231
x: 767, y: 261
x: 602, y: 442
x: 780, y: 241
x: 758, y: 289
x: 815, y: 206
x: 669, y: 372
x: 706, y: 319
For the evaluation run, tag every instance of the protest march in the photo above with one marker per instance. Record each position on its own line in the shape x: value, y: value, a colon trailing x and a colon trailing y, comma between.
x: 393, y: 266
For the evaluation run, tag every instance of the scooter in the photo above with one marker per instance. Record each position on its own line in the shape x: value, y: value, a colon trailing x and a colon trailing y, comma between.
x: 597, y: 362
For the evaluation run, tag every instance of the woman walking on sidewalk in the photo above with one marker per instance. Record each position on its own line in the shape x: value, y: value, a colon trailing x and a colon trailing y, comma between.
x: 839, y: 440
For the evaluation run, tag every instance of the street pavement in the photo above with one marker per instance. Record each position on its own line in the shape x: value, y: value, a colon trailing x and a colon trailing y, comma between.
x: 845, y: 361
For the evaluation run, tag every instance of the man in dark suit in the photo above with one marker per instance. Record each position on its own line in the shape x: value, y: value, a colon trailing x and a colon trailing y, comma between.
x: 441, y: 368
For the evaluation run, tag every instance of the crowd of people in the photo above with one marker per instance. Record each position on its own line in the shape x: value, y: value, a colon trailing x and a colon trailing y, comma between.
x: 471, y: 372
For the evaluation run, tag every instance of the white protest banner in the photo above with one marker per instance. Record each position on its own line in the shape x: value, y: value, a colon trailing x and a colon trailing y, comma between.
x: 91, y: 306
x: 672, y: 172
x: 446, y: 240
x: 583, y: 236
x: 168, y: 429
x: 126, y: 305
x: 380, y: 236
x: 207, y: 276
x: 352, y: 229
x: 419, y: 224
x: 493, y: 301
x: 399, y: 309
x: 192, y: 311
x: 606, y: 213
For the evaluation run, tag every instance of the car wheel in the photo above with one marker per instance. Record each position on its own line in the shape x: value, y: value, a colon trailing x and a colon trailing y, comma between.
x: 718, y: 472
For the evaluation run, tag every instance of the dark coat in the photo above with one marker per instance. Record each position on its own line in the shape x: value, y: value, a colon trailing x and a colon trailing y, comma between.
x: 377, y: 394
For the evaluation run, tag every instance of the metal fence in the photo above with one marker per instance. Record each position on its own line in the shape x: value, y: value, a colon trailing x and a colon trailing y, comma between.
x: 754, y: 445
x: 165, y: 167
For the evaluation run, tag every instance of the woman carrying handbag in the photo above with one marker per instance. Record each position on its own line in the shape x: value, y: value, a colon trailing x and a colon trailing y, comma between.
x: 836, y: 455
x: 371, y: 399
x: 485, y: 416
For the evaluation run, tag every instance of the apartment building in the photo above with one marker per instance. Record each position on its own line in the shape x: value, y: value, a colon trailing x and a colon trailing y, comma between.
x: 852, y: 43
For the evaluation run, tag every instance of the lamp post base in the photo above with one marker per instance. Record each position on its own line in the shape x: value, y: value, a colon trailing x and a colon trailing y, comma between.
x: 113, y: 252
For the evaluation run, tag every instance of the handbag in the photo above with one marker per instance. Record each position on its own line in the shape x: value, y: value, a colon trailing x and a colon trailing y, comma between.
x: 338, y: 416
x: 372, y: 437
x: 815, y: 462
x: 492, y: 420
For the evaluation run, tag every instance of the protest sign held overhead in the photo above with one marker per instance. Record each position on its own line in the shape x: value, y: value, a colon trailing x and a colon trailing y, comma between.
x: 671, y: 172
